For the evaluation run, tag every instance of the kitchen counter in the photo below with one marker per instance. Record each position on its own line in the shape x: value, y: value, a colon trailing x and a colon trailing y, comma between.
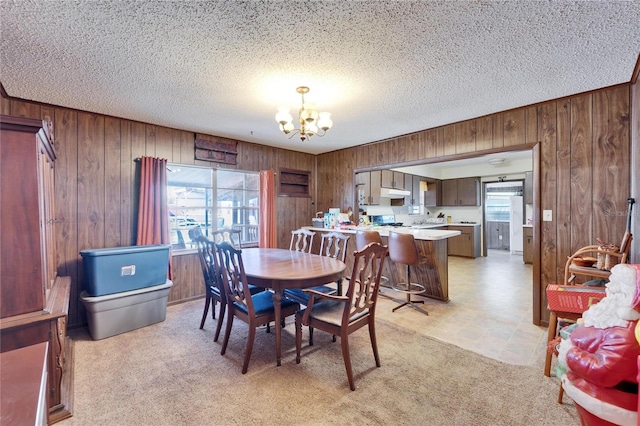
x: 433, y: 274
x: 418, y: 233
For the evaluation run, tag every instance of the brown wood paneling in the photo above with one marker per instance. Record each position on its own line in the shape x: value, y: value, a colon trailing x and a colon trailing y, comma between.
x: 5, y: 105
x: 484, y: 133
x: 187, y: 148
x: 547, y: 134
x: 164, y: 143
x: 449, y: 141
x: 412, y: 147
x: 611, y: 152
x: 498, y: 130
x: 513, y: 127
x: 112, y: 181
x: 126, y: 185
x: 465, y: 136
x: 66, y: 176
x: 25, y: 109
x: 581, y: 177
x: 531, y: 125
x: 563, y: 178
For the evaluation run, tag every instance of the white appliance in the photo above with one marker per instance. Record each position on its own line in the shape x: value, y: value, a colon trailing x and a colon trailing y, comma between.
x: 515, y: 224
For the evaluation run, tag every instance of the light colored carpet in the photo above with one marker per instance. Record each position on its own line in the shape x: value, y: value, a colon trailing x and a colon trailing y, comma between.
x: 172, y: 373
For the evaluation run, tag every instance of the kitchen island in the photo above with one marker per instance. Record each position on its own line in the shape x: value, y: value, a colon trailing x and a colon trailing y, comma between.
x: 433, y: 275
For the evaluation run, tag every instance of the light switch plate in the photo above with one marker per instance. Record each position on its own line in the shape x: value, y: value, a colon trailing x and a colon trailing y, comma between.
x: 547, y: 215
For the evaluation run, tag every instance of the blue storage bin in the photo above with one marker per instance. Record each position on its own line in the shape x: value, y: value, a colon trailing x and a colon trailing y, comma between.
x: 119, y: 269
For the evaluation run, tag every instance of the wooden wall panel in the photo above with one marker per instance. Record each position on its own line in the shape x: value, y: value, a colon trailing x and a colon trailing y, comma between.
x: 548, y: 171
x: 449, y: 141
x: 635, y: 169
x: 66, y: 204
x: 611, y: 152
x: 127, y: 173
x: 112, y: 181
x: 531, y: 125
x: 580, y: 170
x: 5, y: 105
x: 412, y: 147
x: 563, y: 181
x: 513, y: 127
x: 465, y: 136
x: 498, y: 130
x: 484, y: 133
x: 25, y: 109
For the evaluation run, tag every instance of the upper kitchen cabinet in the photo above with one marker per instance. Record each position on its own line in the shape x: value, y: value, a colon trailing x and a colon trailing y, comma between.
x: 392, y: 179
x: 461, y: 192
x: 368, y: 186
x: 528, y: 188
x: 433, y: 193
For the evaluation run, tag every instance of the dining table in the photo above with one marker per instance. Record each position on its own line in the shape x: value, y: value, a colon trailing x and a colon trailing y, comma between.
x: 278, y: 269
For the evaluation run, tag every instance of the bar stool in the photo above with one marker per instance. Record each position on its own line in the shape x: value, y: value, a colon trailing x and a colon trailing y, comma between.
x: 365, y: 237
x: 403, y: 249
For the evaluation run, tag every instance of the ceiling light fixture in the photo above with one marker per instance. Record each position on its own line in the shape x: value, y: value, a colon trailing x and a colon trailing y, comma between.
x: 311, y: 121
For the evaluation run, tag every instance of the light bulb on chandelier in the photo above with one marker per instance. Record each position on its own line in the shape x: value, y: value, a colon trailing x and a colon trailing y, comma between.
x: 310, y: 120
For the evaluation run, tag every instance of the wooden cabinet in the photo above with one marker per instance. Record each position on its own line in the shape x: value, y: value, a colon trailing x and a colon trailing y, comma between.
x: 461, y: 192
x: 294, y: 183
x: 527, y: 192
x: 433, y: 194
x: 498, y: 235
x: 527, y: 248
x: 467, y: 244
x: 368, y: 186
x: 34, y: 302
x: 392, y: 179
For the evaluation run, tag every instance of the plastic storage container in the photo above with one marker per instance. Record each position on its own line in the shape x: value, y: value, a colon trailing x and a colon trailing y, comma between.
x: 118, y: 269
x: 121, y: 312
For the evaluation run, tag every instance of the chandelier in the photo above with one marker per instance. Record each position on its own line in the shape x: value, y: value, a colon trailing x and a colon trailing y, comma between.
x: 311, y: 121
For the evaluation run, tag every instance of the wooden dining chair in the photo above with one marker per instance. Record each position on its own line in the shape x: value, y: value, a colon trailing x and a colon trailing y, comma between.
x: 333, y: 244
x: 342, y: 315
x: 233, y: 236
x: 207, y: 256
x: 365, y: 237
x: 254, y: 309
x: 302, y: 240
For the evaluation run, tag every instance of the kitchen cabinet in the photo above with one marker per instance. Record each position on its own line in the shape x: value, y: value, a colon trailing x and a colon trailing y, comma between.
x: 433, y: 194
x: 368, y: 187
x: 461, y: 192
x: 528, y: 188
x: 467, y: 244
x: 34, y: 301
x: 527, y: 248
x: 392, y: 179
x: 498, y: 235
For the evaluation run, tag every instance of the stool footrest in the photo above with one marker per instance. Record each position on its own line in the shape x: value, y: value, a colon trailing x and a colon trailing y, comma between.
x: 410, y: 288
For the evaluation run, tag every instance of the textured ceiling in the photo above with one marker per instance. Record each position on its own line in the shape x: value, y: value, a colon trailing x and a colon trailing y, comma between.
x: 382, y: 68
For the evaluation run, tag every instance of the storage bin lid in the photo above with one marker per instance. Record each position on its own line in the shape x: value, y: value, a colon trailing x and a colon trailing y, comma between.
x: 124, y: 250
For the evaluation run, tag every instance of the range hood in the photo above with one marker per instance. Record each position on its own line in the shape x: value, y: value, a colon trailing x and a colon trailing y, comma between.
x: 393, y: 193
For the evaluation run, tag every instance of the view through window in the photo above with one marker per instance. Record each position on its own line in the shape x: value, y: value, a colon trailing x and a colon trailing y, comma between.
x: 202, y: 200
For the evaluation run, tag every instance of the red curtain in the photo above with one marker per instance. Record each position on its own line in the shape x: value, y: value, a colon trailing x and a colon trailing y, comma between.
x: 153, y: 213
x: 267, y: 223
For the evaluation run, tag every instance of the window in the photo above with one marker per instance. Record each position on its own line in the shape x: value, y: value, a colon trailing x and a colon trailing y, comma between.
x: 202, y: 200
x: 498, y: 200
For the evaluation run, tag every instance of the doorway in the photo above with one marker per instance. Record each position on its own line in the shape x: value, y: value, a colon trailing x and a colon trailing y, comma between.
x: 503, y: 216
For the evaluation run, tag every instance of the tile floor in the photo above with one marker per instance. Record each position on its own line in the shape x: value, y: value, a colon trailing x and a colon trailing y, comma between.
x: 489, y: 312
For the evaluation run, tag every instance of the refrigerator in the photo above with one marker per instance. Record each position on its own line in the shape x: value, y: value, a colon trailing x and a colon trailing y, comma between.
x: 515, y: 224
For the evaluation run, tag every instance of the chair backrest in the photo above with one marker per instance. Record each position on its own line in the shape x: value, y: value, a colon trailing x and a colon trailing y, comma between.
x: 301, y: 240
x: 365, y: 281
x: 625, y: 246
x: 232, y: 236
x: 334, y: 244
x: 181, y: 243
x: 365, y: 237
x: 402, y: 248
x: 207, y: 256
x: 232, y: 276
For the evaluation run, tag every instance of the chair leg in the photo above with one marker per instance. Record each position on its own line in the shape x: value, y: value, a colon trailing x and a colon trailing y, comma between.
x: 227, y: 331
x: 560, y: 393
x: 374, y: 343
x: 551, y: 334
x: 415, y: 288
x: 223, y: 308
x: 247, y: 353
x: 310, y: 336
x: 206, y: 310
x: 347, y: 360
x: 298, y: 337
